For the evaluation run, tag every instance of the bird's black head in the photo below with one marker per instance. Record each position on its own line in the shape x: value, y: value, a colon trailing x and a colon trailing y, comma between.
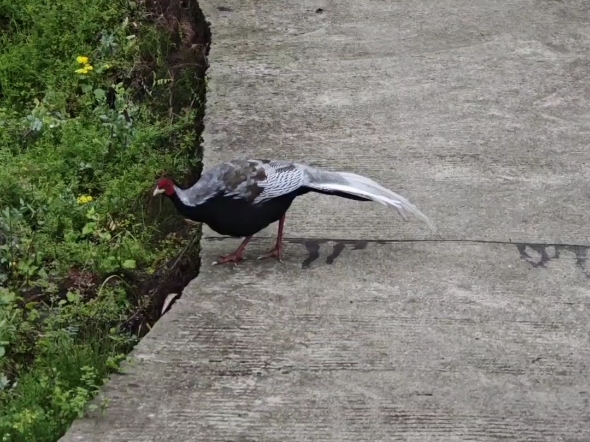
x: 165, y: 185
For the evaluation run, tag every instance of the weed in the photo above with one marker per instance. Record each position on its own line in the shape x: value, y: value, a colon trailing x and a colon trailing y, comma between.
x: 86, y: 125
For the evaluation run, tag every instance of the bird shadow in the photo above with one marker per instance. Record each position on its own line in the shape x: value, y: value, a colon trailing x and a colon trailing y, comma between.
x: 313, y: 247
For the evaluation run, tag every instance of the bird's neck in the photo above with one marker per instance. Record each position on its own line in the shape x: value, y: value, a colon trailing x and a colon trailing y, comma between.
x: 184, y: 205
x: 181, y: 195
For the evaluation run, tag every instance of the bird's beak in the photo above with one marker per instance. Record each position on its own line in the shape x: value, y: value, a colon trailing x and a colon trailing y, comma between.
x: 158, y: 191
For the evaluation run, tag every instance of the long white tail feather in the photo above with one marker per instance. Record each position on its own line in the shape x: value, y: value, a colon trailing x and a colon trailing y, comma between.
x: 361, y: 186
x: 354, y: 191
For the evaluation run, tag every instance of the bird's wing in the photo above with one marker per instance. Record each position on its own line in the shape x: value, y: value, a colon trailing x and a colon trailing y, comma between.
x: 256, y: 181
x: 261, y: 180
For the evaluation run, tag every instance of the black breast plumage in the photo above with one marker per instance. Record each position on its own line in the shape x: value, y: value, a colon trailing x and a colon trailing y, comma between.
x: 238, y: 217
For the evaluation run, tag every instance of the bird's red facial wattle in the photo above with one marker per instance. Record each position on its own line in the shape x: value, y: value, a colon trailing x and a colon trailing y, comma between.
x: 166, y: 186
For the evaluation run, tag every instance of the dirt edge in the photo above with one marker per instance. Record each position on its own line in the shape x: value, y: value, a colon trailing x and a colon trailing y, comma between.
x: 187, y: 64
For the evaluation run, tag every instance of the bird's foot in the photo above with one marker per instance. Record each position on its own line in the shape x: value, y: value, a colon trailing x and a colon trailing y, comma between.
x: 234, y: 257
x: 276, y: 252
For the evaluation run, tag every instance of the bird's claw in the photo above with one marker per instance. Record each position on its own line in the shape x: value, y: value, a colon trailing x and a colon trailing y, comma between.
x: 233, y: 257
x: 274, y: 253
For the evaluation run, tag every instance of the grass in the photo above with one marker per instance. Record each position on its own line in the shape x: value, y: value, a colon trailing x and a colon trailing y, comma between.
x: 96, y: 102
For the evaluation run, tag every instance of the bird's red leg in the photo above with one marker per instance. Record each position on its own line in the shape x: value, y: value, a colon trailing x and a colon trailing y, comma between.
x: 276, y: 251
x: 236, y: 256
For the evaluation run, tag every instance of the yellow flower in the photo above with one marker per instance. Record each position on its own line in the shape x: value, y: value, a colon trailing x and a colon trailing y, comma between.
x: 84, y: 199
x: 82, y: 60
x: 85, y: 70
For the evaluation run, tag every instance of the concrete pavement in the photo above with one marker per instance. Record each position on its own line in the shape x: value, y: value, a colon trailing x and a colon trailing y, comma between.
x: 372, y: 329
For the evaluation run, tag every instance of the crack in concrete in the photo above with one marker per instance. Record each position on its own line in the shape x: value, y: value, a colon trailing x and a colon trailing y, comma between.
x: 362, y: 243
x: 313, y: 247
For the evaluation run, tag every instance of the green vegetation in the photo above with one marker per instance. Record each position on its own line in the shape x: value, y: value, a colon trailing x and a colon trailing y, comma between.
x: 91, y: 113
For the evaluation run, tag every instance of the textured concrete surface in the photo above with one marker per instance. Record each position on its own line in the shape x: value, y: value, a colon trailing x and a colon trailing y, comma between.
x: 372, y: 330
